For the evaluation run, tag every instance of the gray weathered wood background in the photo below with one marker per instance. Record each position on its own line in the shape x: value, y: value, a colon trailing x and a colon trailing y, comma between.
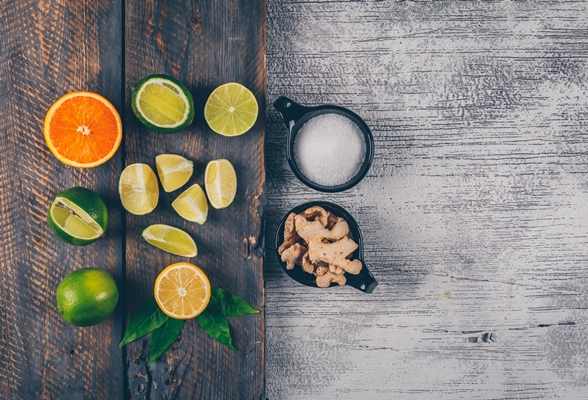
x: 475, y: 212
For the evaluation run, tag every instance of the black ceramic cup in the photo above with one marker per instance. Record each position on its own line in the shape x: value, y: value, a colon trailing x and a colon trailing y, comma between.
x: 364, y: 281
x: 296, y: 115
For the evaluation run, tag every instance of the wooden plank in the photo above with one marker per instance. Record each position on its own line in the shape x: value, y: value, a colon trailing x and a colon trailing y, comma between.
x: 474, y: 212
x: 203, y: 45
x: 49, y: 48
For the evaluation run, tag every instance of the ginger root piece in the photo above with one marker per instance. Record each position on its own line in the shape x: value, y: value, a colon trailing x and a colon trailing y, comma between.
x: 326, y: 279
x: 323, y: 269
x: 307, y: 265
x: 309, y: 230
x: 352, y: 267
x: 290, y: 235
x: 332, y: 220
x: 293, y: 255
x: 336, y: 269
x: 335, y: 254
x: 316, y: 213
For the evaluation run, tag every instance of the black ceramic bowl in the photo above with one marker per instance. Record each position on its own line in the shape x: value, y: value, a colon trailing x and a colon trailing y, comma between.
x: 296, y: 115
x: 364, y: 281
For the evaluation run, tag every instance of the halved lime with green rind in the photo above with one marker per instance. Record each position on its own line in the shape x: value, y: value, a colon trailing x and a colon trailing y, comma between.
x: 162, y: 103
x: 231, y: 109
x: 78, y: 216
x: 170, y: 239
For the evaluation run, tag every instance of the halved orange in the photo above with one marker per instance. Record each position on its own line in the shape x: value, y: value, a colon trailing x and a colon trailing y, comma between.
x: 83, y: 129
x: 182, y: 290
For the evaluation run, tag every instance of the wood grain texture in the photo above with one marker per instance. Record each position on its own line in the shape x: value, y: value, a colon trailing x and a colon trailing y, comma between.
x: 474, y: 213
x: 203, y: 44
x: 49, y: 48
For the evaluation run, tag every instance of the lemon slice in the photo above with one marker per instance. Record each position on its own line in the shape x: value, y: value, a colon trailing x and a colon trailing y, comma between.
x: 182, y: 290
x: 138, y: 189
x: 192, y: 205
x: 170, y: 239
x: 173, y: 170
x: 231, y: 109
x: 162, y: 103
x: 220, y: 181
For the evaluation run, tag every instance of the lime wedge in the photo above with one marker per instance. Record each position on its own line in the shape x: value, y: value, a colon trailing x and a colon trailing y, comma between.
x: 173, y: 170
x: 138, y: 189
x: 192, y: 205
x: 220, y: 181
x: 162, y: 103
x: 231, y: 109
x: 170, y: 239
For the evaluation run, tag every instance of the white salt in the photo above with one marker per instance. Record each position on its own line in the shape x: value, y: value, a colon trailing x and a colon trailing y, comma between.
x: 329, y: 149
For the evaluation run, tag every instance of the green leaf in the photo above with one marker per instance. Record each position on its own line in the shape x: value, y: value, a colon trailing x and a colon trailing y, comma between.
x: 215, y: 323
x: 163, y: 337
x: 231, y: 305
x: 146, y: 319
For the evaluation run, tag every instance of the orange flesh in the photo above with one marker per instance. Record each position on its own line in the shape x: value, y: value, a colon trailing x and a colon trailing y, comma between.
x: 84, y: 130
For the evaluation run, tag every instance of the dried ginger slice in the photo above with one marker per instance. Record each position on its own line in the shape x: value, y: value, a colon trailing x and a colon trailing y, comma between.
x: 316, y: 213
x: 335, y: 254
x: 310, y: 230
x: 290, y: 235
x: 293, y: 255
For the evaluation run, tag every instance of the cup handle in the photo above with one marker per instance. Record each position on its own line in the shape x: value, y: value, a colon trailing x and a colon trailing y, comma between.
x: 289, y: 110
x: 365, y: 281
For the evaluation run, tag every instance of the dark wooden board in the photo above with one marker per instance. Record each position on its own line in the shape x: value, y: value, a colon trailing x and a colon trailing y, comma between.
x: 49, y: 48
x: 203, y: 45
x: 474, y: 212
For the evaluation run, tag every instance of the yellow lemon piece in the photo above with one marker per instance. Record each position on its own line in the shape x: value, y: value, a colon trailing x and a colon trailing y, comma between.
x: 220, y: 181
x: 192, y: 205
x: 138, y: 189
x: 170, y: 239
x: 182, y: 290
x: 174, y: 171
x: 231, y: 109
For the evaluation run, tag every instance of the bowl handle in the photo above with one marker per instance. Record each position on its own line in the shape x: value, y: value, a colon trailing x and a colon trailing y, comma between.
x: 365, y: 281
x: 290, y: 111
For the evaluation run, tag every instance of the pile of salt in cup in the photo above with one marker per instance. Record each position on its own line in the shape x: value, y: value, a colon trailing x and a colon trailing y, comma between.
x: 330, y: 149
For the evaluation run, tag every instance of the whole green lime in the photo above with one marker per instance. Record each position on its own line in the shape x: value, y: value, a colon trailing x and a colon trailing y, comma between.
x: 78, y: 216
x: 87, y: 296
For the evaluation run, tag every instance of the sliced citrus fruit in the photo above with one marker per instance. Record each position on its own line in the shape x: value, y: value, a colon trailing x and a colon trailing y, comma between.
x: 170, y: 239
x: 192, y: 205
x: 173, y: 170
x: 231, y: 109
x: 162, y: 103
x: 182, y: 290
x: 78, y: 216
x: 138, y: 189
x: 83, y: 129
x: 220, y: 181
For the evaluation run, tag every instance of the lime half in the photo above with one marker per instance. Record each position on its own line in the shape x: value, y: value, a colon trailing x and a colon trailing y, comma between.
x: 162, y: 103
x: 170, y: 239
x: 78, y: 216
x: 231, y: 109
x: 192, y: 205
